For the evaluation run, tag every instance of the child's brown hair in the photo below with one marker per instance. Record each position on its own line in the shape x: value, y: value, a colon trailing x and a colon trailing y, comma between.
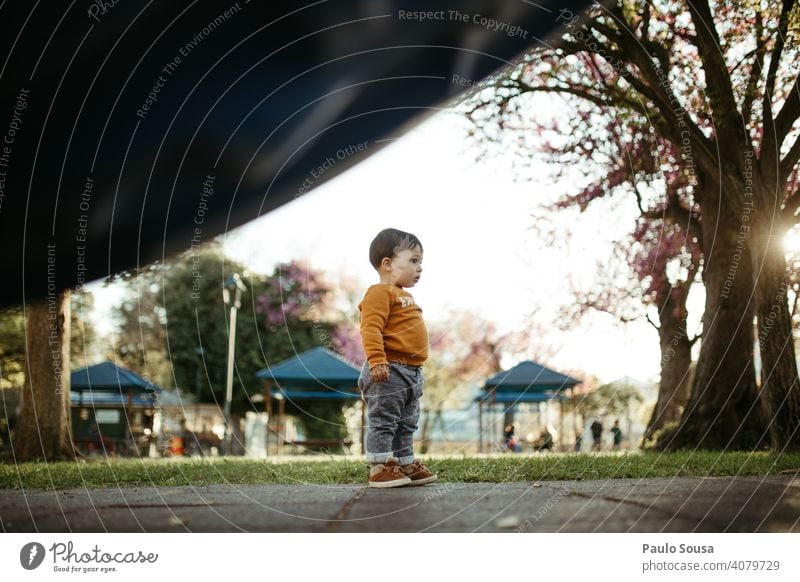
x: 388, y: 243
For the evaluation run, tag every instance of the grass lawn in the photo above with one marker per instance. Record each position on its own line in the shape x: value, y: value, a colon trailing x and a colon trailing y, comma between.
x: 497, y: 469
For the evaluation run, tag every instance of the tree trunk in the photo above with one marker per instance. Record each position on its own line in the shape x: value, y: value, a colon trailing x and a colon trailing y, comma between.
x: 428, y: 427
x: 575, y: 427
x: 425, y: 441
x: 780, y: 388
x: 43, y: 430
x: 676, y: 361
x: 237, y: 436
x: 724, y: 411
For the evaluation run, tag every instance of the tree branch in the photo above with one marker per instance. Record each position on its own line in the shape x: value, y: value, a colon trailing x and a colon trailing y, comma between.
x: 772, y: 74
x: 636, y: 191
x: 672, y: 117
x: 777, y: 52
x: 667, y: 103
x: 789, y: 162
x: 644, y: 25
x: 694, y: 268
x: 757, y: 70
x: 788, y: 113
x: 719, y: 87
x: 596, y: 99
x: 790, y: 209
x: 678, y: 214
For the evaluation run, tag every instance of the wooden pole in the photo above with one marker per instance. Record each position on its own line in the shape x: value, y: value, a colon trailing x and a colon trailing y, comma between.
x: 498, y: 428
x: 281, y: 427
x: 562, y: 437
x: 574, y: 411
x: 363, y: 426
x: 268, y: 408
x: 480, y: 426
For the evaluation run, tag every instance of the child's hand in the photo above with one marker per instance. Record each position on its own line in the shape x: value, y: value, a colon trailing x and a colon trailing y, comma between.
x: 380, y: 373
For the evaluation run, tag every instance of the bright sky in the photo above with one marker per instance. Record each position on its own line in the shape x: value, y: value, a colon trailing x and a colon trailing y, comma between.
x: 473, y: 221
x: 480, y: 254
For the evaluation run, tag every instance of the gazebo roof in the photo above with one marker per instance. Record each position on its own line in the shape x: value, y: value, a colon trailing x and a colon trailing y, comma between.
x: 171, y: 399
x: 514, y: 397
x: 110, y: 399
x: 108, y: 376
x: 529, y: 377
x: 316, y: 368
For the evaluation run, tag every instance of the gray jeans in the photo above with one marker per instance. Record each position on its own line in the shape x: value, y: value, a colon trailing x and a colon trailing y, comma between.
x: 392, y: 412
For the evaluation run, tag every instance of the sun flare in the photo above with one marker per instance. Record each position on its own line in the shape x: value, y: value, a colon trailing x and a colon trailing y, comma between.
x: 791, y: 242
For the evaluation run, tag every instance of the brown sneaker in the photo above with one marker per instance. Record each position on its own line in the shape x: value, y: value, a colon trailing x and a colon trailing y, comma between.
x: 419, y: 474
x: 387, y: 475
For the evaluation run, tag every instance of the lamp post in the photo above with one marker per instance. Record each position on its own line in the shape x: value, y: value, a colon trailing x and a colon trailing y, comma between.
x: 233, y: 286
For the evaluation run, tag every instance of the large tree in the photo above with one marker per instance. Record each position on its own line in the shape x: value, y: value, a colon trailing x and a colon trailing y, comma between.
x: 12, y: 376
x: 43, y: 426
x: 12, y: 348
x: 38, y: 347
x: 718, y: 82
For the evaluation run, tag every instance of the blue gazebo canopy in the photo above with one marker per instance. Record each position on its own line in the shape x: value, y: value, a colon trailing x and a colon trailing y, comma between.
x: 530, y: 377
x: 525, y: 382
x: 318, y: 373
x: 508, y: 397
x: 107, y: 376
x: 111, y: 399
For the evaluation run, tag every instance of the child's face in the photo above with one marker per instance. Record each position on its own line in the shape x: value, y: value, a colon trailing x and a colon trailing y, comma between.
x: 405, y: 268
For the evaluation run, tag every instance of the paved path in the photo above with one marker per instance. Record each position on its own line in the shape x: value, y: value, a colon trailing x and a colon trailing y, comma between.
x: 683, y: 504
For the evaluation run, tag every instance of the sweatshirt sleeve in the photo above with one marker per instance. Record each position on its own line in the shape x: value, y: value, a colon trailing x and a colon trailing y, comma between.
x: 374, y: 315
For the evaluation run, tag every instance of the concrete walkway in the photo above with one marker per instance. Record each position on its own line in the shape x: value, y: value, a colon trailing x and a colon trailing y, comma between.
x: 681, y: 504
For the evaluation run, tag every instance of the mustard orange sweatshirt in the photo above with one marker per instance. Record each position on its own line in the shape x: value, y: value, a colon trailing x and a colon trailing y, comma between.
x: 392, y: 328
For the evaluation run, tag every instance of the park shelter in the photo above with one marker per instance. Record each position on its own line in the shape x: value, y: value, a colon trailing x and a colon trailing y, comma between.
x: 112, y: 407
x: 316, y: 374
x: 527, y: 382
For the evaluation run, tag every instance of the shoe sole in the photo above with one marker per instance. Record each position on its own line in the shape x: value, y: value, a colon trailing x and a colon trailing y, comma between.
x: 389, y: 484
x: 424, y: 481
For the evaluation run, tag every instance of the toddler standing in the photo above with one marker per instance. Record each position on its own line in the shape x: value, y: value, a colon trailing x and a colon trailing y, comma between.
x: 396, y: 345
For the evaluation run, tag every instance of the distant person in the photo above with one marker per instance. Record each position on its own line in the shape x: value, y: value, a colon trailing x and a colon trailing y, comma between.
x: 510, y: 439
x: 395, y: 342
x: 617, y: 432
x: 578, y: 441
x: 545, y: 441
x: 508, y: 433
x: 597, y: 433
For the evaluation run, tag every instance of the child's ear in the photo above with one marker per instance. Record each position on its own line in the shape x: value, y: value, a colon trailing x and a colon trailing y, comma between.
x: 386, y: 263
